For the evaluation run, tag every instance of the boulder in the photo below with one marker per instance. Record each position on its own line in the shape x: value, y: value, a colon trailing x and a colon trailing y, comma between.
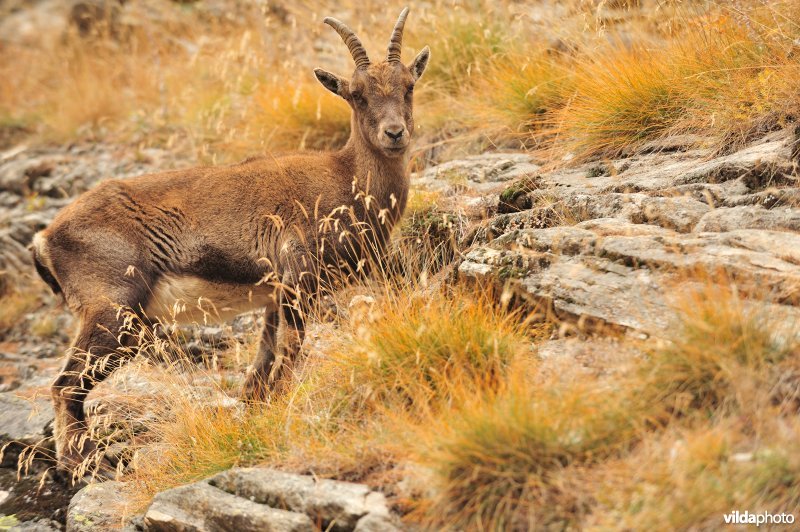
x: 23, y: 423
x: 100, y: 507
x: 203, y: 507
x: 336, y: 505
x: 377, y: 523
x: 263, y: 499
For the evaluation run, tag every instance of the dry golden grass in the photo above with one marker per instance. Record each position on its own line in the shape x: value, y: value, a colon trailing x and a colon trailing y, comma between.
x: 442, y: 389
x: 721, y: 357
x: 688, y: 478
x: 725, y: 77
x: 445, y: 381
x: 16, y: 303
x: 336, y: 413
x: 503, y: 461
x: 595, y: 79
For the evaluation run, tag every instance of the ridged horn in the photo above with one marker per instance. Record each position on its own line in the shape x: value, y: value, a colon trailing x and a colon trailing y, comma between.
x: 396, y: 42
x: 350, y: 39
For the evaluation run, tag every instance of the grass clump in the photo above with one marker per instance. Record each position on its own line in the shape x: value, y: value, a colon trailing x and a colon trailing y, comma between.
x: 397, y: 353
x: 623, y: 98
x: 203, y: 440
x: 429, y: 235
x: 512, y: 99
x: 15, y: 303
x: 427, y: 352
x: 509, y: 463
x: 690, y: 478
x: 716, y: 77
x: 721, y: 355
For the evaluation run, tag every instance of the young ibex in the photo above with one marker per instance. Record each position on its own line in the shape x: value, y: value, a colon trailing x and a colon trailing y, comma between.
x: 218, y: 233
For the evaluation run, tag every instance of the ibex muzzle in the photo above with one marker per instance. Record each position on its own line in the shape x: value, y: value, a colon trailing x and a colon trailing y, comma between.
x: 262, y: 233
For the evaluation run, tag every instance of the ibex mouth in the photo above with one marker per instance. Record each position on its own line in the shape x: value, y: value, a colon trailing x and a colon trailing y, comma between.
x: 395, y: 150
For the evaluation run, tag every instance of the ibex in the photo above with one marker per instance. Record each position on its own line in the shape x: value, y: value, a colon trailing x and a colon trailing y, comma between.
x: 217, y: 233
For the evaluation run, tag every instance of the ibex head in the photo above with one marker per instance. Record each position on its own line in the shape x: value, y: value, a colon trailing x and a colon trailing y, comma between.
x: 380, y: 94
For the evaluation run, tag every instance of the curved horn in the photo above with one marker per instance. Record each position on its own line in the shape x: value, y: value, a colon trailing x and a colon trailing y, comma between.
x: 350, y: 39
x: 396, y: 42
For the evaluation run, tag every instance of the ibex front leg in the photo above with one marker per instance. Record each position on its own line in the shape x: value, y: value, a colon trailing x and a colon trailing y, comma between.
x: 256, y: 387
x: 293, y: 335
x: 271, y: 370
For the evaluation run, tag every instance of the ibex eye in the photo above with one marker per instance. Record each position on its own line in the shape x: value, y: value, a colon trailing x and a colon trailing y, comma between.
x: 359, y: 98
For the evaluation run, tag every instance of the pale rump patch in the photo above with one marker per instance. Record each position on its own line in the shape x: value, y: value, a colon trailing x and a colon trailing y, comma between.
x: 188, y: 299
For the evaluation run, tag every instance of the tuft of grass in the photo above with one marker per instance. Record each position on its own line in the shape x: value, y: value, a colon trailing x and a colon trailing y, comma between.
x: 690, y: 478
x: 624, y: 98
x: 727, y: 75
x: 203, y: 440
x: 721, y: 354
x: 511, y: 101
x: 303, y: 117
x: 426, y: 351
x: 502, y: 464
x: 338, y: 415
x: 15, y: 304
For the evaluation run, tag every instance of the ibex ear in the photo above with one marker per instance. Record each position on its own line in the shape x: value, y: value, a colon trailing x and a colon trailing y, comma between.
x: 419, y: 63
x: 332, y: 82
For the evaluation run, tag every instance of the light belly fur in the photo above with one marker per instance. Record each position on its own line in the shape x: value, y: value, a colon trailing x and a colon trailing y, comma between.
x: 187, y: 299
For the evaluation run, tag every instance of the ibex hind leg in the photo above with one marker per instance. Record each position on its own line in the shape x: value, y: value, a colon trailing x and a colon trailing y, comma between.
x: 94, y: 356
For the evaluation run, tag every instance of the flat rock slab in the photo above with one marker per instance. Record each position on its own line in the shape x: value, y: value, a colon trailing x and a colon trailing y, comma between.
x: 202, y: 507
x: 260, y: 499
x: 750, y: 217
x: 623, y: 274
x: 476, y: 174
x: 613, y: 241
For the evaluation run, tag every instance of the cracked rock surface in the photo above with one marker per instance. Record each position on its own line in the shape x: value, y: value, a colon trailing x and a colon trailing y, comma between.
x: 258, y: 499
x: 611, y: 246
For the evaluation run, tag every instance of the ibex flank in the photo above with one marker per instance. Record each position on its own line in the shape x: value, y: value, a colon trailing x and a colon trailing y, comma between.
x: 219, y: 233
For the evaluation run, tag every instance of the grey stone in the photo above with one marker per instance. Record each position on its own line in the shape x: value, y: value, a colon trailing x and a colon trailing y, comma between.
x: 22, y: 424
x: 620, y: 227
x: 680, y: 213
x: 479, y: 173
x: 99, y: 507
x: 769, y: 198
x: 202, y: 507
x: 750, y: 217
x: 377, y: 523
x: 619, y: 273
x: 337, y: 505
x: 565, y: 206
x: 39, y: 525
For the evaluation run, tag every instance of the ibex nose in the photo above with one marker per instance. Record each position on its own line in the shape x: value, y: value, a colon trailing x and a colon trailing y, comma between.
x: 395, y: 133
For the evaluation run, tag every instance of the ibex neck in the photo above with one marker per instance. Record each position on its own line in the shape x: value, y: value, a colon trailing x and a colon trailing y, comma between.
x: 382, y: 177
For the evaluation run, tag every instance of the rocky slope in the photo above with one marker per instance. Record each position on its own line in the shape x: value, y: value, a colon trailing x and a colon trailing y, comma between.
x: 601, y: 247
x: 606, y: 243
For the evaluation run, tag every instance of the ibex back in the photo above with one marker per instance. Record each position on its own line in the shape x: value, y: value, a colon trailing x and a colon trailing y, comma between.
x: 220, y: 233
